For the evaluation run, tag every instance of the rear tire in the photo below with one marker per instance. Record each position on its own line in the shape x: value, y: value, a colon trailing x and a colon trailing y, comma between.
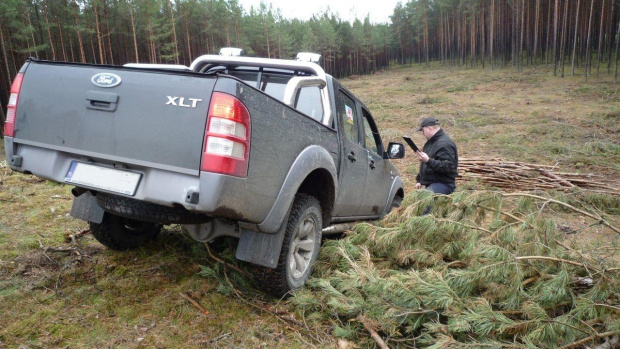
x: 300, y: 249
x: 119, y: 233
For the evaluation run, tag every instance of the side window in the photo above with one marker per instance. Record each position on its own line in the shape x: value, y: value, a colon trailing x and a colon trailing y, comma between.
x: 372, y: 140
x: 348, y: 117
x: 309, y: 102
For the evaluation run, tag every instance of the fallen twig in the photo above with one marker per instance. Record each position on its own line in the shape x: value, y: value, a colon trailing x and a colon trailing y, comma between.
x: 73, y: 237
x: 590, y: 339
x: 372, y: 332
x: 226, y: 264
x: 218, y: 337
x: 194, y: 303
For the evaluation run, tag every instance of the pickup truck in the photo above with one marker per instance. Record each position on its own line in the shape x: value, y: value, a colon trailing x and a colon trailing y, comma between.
x: 269, y: 151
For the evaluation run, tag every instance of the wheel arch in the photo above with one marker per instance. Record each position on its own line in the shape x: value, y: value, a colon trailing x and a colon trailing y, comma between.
x: 313, y: 167
x: 320, y: 184
x: 397, y: 189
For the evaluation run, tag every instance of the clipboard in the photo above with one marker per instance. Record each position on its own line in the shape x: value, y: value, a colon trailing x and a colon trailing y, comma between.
x: 411, y: 144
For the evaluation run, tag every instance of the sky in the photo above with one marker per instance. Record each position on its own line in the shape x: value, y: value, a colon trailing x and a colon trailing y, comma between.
x: 379, y: 10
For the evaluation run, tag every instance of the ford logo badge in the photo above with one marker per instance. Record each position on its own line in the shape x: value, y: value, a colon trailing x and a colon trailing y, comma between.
x: 106, y: 80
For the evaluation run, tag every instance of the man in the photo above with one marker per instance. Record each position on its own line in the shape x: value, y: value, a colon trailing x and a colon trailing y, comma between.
x: 438, y: 159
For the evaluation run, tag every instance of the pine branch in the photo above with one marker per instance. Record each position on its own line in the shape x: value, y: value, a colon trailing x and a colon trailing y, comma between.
x: 465, y: 225
x: 595, y: 217
x: 560, y: 260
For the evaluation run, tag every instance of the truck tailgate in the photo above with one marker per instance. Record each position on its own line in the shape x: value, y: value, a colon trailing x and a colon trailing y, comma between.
x: 152, y: 118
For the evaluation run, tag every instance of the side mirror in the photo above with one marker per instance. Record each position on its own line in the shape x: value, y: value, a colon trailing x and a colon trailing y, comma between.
x: 395, y: 151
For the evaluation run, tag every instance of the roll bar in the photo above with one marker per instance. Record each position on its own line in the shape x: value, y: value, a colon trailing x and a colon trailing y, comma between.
x: 293, y: 85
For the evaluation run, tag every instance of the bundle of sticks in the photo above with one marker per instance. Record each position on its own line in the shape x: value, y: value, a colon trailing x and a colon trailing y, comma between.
x: 513, y: 175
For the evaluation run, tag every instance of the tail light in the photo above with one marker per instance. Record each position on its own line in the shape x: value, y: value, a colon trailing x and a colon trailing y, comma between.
x: 11, y: 112
x: 226, y: 147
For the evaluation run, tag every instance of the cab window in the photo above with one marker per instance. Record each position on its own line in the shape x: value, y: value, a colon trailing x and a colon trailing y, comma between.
x: 372, y: 140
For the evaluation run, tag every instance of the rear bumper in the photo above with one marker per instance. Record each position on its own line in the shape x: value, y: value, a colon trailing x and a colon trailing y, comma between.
x: 218, y: 195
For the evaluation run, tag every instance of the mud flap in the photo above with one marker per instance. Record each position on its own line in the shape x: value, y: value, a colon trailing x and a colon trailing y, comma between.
x: 261, y: 248
x: 85, y: 207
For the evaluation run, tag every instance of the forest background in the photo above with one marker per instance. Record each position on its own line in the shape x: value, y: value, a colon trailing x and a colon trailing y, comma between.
x: 581, y: 34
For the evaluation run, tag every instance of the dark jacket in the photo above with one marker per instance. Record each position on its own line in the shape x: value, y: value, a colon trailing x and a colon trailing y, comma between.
x: 443, y: 160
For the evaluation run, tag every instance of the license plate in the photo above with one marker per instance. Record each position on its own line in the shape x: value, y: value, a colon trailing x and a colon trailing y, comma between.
x: 104, y: 178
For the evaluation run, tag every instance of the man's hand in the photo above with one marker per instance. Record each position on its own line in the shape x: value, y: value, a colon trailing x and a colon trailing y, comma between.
x: 422, y: 156
x: 418, y: 186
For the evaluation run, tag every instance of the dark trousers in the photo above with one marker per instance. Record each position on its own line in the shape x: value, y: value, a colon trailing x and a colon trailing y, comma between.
x: 439, y: 188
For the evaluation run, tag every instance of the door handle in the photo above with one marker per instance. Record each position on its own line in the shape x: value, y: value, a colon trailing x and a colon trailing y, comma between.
x: 101, y: 101
x: 352, y: 157
x: 372, y: 164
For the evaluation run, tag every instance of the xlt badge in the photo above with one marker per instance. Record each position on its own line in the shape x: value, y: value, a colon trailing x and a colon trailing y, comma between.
x: 181, y: 102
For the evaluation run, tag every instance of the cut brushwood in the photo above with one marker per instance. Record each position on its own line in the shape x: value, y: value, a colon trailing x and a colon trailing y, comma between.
x: 514, y: 175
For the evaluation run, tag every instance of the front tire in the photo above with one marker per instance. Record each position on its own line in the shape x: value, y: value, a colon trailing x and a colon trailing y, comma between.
x: 300, y: 249
x: 396, y: 201
x: 119, y: 233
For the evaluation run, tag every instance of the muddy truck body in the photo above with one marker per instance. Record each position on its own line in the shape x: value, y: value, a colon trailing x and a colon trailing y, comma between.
x: 271, y: 152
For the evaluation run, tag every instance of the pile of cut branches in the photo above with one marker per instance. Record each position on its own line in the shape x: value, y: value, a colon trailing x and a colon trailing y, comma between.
x: 521, y: 176
x: 482, y: 270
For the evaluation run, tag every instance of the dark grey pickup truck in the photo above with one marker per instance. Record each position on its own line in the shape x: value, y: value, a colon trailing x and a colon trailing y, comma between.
x: 269, y: 151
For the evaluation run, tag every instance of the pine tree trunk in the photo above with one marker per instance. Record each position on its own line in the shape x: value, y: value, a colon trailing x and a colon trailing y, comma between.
x: 548, y: 34
x: 8, y: 73
x: 34, y: 42
x: 62, y: 40
x: 600, y: 40
x: 267, y: 37
x: 26, y: 38
x: 78, y: 32
x: 133, y: 31
x: 492, y: 34
x: 472, y: 39
x: 522, y: 34
x: 564, y: 29
x: 174, y: 33
x: 98, y: 33
x: 151, y: 44
x: 49, y: 29
x: 483, y: 35
x: 108, y: 34
x: 588, y: 53
x: 2, y: 119
x: 575, y: 39
x: 537, y: 21
x: 71, y: 49
x: 617, y: 46
x: 189, y: 45
x: 555, y: 37
x: 426, y: 38
x: 237, y: 30
x: 92, y: 45
x: 610, y: 30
